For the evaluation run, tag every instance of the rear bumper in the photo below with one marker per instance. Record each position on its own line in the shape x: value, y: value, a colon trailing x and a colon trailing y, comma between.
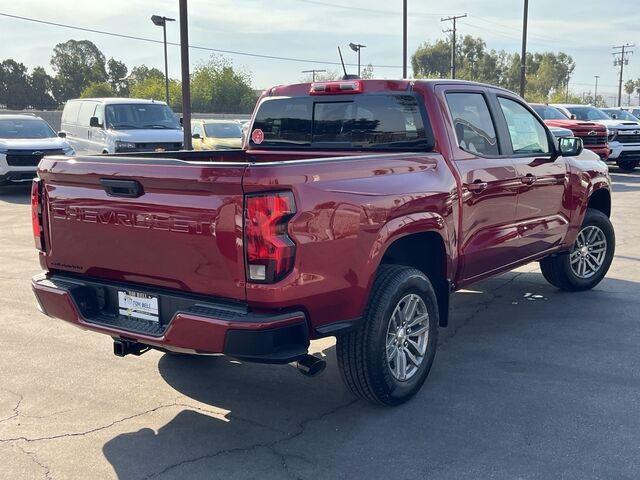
x: 191, y: 325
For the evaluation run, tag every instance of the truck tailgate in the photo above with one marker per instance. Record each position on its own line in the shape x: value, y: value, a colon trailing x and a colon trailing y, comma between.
x: 162, y: 223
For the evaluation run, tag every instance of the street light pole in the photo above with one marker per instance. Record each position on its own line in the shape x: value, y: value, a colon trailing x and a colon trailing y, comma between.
x: 523, y: 58
x: 162, y: 22
x: 357, y: 47
x: 595, y: 95
x: 186, y: 87
x: 404, y: 38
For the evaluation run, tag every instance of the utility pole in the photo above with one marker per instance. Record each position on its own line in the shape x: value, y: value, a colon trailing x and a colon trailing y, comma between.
x: 313, y: 72
x: 186, y: 87
x: 453, y: 40
x: 404, y: 38
x: 620, y: 55
x: 595, y: 95
x: 523, y: 57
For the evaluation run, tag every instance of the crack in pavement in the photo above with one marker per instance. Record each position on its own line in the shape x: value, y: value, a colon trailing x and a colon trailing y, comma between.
x: 15, y: 409
x: 482, y: 307
x: 34, y: 459
x: 267, y: 445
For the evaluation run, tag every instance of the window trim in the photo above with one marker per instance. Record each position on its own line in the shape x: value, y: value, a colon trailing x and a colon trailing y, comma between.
x: 505, y: 127
x: 420, y: 102
x: 496, y: 127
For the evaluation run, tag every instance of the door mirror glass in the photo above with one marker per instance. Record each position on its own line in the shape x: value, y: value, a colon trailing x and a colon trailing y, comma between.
x: 570, y: 146
x: 62, y: 134
x: 94, y: 122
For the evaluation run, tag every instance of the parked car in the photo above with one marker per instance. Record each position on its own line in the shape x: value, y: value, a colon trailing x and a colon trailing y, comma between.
x: 353, y: 211
x: 115, y: 125
x: 561, y: 132
x: 593, y: 135
x: 216, y: 134
x: 619, y: 114
x: 24, y: 141
x: 623, y: 135
x: 635, y: 111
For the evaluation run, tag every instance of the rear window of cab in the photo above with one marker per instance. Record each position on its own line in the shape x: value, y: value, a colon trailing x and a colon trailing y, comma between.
x: 359, y: 122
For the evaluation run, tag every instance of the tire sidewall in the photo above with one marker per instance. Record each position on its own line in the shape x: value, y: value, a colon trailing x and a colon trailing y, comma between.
x: 600, y: 220
x: 400, y: 391
x: 628, y: 165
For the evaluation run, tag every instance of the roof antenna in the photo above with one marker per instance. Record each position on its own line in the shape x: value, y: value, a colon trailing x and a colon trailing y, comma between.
x: 344, y: 69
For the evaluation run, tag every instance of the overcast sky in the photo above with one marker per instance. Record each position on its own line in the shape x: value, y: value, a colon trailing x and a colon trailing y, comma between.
x: 310, y: 29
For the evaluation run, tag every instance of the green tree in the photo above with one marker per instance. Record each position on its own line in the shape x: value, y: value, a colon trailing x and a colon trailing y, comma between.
x: 77, y: 63
x: 14, y: 85
x: 217, y: 87
x: 328, y: 76
x: 142, y: 73
x: 116, y: 71
x: 367, y: 72
x: 629, y: 88
x: 42, y: 86
x: 152, y: 88
x: 97, y: 90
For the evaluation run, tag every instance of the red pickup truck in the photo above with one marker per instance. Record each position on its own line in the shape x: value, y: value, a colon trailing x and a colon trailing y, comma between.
x: 354, y: 210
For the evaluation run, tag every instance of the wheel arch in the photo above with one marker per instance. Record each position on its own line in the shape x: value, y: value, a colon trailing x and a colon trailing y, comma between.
x: 600, y: 199
x: 427, y: 251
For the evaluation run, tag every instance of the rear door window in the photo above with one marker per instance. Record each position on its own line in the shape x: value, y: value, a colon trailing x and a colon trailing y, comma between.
x: 358, y: 122
x: 473, y: 124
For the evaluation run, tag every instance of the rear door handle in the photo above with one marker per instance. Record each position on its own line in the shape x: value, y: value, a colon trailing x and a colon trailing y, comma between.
x: 528, y: 179
x: 122, y: 188
x: 477, y: 186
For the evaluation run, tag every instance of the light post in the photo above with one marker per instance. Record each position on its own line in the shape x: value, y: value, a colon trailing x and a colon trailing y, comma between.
x: 356, y: 47
x: 404, y: 39
x: 595, y: 95
x: 160, y: 21
x: 523, y: 57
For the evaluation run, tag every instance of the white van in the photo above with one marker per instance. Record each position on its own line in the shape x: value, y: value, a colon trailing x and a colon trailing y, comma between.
x: 115, y: 125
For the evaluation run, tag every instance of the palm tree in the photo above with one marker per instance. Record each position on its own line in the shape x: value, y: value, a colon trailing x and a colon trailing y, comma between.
x: 629, y: 88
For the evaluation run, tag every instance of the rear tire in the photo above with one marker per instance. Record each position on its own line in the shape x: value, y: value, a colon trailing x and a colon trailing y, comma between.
x: 388, y: 357
x: 627, y: 165
x: 576, y: 270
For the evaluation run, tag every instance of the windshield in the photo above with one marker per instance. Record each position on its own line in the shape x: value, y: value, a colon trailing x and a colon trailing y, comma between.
x: 223, y: 130
x: 620, y: 114
x: 139, y: 116
x: 390, y: 122
x: 25, y: 128
x: 548, y: 113
x: 588, y: 113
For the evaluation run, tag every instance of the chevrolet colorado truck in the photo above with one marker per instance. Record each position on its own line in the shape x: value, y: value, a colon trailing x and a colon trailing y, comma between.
x: 354, y: 210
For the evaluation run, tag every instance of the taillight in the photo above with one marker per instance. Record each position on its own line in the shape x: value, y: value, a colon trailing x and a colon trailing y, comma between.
x: 36, y: 213
x: 269, y: 249
x: 333, y: 88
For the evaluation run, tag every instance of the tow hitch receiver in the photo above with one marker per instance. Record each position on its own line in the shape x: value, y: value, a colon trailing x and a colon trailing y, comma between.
x: 122, y: 347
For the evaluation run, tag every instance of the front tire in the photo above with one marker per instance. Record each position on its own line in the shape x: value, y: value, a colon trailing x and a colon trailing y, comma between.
x: 627, y: 165
x: 388, y: 357
x: 589, y: 259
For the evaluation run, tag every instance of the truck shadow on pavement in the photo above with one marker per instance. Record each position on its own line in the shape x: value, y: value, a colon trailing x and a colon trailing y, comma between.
x: 528, y: 382
x: 16, y: 194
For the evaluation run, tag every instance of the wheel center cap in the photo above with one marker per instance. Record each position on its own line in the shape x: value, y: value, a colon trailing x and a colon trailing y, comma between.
x: 584, y: 251
x: 401, y: 335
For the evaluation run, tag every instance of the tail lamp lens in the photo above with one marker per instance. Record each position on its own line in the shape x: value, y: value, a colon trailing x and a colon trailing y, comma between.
x: 36, y: 213
x: 269, y: 249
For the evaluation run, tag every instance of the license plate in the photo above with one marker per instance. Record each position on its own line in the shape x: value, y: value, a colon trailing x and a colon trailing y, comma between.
x: 138, y: 305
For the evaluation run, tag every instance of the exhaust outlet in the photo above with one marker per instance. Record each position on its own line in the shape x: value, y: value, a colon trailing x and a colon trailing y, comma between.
x: 310, y: 365
x: 122, y: 348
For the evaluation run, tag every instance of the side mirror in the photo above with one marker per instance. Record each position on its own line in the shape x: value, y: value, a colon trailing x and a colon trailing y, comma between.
x: 570, y: 146
x: 94, y: 122
x: 62, y: 134
x: 573, y: 116
x: 182, y: 121
x: 196, y: 136
x: 614, y: 116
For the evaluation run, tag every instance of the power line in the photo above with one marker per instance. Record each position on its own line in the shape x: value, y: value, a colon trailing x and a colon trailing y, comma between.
x: 195, y: 47
x: 368, y: 10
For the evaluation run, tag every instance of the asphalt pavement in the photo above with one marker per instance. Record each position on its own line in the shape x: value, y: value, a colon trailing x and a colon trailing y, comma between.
x: 528, y: 383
